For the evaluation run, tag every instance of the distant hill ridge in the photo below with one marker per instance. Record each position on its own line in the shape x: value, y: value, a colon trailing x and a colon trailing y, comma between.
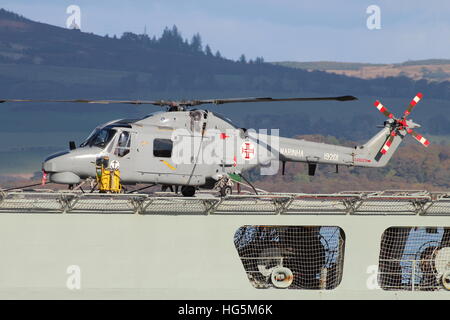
x: 429, y: 69
x: 169, y: 63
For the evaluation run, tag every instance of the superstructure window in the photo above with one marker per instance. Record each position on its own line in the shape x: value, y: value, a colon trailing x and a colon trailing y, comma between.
x: 415, y: 259
x: 123, y: 145
x: 162, y: 148
x: 292, y: 257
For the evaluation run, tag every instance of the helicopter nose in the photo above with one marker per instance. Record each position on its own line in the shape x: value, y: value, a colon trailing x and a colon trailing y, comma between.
x: 55, y: 162
x: 60, y: 166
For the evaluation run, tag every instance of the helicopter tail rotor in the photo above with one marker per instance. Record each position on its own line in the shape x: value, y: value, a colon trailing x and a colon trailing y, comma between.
x: 419, y: 137
x: 401, y: 125
x: 388, y: 142
x: 383, y: 109
x: 412, y: 104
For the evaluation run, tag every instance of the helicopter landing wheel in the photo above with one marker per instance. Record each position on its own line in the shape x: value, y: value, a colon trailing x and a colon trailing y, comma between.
x: 226, y: 191
x: 188, y: 191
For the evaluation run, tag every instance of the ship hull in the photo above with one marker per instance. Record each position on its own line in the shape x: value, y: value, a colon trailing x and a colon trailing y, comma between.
x: 134, y: 256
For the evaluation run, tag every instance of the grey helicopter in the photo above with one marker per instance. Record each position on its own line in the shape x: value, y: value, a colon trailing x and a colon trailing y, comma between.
x: 194, y: 148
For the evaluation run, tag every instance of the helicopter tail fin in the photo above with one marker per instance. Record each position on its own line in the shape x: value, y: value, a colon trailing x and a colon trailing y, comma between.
x: 379, y: 149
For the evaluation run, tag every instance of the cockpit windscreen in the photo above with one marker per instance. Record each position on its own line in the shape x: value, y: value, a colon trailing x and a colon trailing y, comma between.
x: 99, y: 138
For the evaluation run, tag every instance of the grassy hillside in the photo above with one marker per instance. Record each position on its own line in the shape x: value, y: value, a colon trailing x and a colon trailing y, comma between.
x: 425, y: 62
x: 325, y: 65
x: 430, y: 69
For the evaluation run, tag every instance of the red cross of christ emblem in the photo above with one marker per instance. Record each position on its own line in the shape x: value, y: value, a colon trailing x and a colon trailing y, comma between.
x: 247, y: 150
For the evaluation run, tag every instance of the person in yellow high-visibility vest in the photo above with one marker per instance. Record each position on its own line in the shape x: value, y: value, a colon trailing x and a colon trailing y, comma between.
x: 108, y: 177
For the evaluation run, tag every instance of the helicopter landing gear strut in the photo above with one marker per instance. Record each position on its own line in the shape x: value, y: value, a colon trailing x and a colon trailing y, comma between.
x: 225, y: 191
x: 170, y: 187
x: 224, y: 186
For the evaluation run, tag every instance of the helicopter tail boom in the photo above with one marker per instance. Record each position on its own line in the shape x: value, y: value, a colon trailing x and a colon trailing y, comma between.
x: 373, y: 153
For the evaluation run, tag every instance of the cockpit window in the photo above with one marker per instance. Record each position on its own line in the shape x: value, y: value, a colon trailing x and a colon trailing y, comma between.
x: 85, y: 142
x: 99, y: 138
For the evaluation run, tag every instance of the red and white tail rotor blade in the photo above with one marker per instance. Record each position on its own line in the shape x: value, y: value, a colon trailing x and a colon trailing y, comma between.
x: 419, y: 137
x: 412, y: 104
x: 383, y: 109
x: 388, y: 143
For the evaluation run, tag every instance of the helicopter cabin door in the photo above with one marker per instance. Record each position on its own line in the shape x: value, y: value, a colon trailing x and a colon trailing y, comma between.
x: 121, y: 152
x: 151, y: 157
x: 123, y: 146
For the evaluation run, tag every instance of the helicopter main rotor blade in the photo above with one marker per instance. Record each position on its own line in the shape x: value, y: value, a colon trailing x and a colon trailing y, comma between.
x: 186, y: 103
x: 268, y: 99
x: 85, y: 101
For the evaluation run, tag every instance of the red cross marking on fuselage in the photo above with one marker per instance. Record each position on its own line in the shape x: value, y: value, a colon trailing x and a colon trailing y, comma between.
x: 248, y: 150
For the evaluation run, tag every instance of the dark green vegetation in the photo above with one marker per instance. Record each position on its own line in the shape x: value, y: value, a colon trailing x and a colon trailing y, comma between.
x: 42, y: 61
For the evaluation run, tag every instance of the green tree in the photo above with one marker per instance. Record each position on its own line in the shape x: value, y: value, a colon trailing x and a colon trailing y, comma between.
x: 196, y: 43
x: 259, y: 60
x: 171, y: 39
x: 208, y: 51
